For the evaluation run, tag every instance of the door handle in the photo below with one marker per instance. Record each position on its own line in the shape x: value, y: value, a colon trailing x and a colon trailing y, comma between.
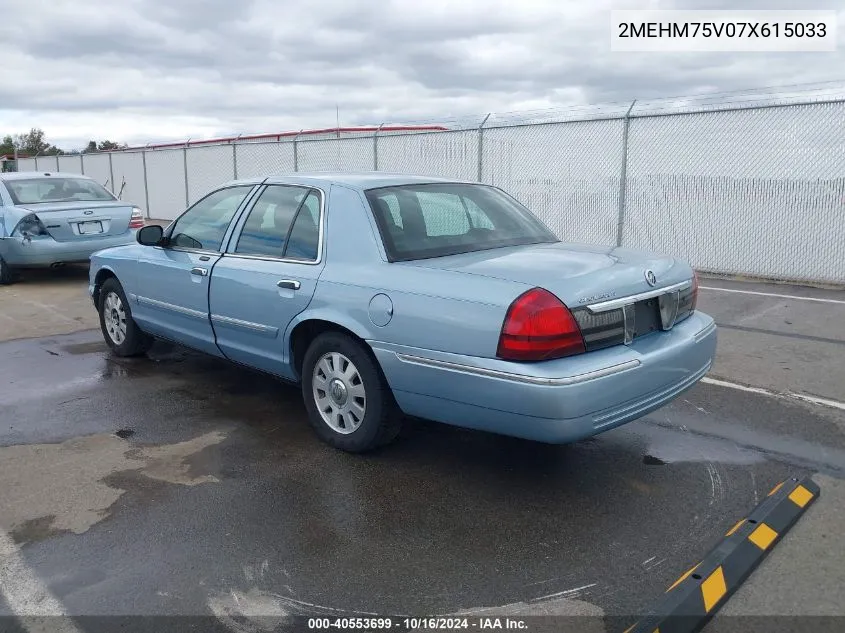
x: 202, y: 272
x: 290, y: 284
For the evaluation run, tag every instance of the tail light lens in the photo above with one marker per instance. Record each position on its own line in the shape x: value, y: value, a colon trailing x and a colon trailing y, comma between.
x: 600, y: 330
x: 538, y: 326
x: 29, y: 225
x: 687, y: 298
x: 694, y: 291
x: 137, y: 219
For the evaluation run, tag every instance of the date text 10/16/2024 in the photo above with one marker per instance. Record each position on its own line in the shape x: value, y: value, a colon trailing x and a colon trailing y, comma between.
x: 418, y: 624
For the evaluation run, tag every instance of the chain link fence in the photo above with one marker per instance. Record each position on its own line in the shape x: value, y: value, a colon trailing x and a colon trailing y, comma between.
x: 738, y: 189
x: 567, y: 173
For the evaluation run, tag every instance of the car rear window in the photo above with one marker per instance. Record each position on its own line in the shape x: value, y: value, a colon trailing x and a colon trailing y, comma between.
x: 433, y: 220
x: 56, y: 189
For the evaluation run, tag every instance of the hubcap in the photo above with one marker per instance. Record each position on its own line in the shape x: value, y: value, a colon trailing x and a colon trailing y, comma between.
x: 339, y: 393
x: 114, y: 316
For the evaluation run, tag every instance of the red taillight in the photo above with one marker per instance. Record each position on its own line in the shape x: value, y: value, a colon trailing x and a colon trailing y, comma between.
x: 539, y: 327
x: 694, y: 291
x: 137, y: 219
x: 29, y: 225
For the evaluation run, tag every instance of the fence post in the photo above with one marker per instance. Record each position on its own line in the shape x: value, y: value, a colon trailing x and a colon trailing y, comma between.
x: 296, y: 151
x: 146, y: 186
x: 185, y: 169
x: 481, y: 146
x: 111, y: 173
x: 82, y: 164
x: 623, y: 176
x: 375, y: 147
x: 235, y: 157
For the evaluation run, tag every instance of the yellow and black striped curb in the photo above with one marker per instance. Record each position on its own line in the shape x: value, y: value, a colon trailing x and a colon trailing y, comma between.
x: 692, y: 599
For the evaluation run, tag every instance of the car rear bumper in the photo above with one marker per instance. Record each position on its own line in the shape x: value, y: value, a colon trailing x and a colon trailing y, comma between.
x: 45, y: 251
x: 555, y: 401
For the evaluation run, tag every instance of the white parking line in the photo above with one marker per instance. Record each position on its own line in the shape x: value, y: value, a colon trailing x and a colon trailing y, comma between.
x: 822, y: 401
x: 825, y: 402
x: 772, y: 294
x: 25, y: 594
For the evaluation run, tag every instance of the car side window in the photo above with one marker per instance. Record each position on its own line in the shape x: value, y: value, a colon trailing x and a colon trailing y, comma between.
x: 204, y: 225
x: 477, y: 216
x: 393, y: 207
x: 265, y: 232
x: 443, y: 214
x: 304, y: 240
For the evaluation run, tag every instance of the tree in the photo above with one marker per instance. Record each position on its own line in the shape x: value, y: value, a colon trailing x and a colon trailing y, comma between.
x: 107, y: 146
x: 103, y: 146
x: 8, y: 145
x: 32, y: 143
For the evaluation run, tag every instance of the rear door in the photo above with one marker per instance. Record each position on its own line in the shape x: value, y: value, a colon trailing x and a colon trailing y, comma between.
x: 268, y: 275
x: 172, y: 282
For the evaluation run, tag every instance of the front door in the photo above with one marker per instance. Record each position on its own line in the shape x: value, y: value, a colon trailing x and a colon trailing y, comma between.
x: 267, y: 276
x: 173, y: 280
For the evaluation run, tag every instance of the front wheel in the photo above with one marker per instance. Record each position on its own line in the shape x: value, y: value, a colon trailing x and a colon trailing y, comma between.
x: 349, y: 404
x: 121, y: 333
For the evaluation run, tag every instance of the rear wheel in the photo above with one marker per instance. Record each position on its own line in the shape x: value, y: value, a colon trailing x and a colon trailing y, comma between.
x: 349, y: 404
x: 7, y: 275
x: 121, y: 333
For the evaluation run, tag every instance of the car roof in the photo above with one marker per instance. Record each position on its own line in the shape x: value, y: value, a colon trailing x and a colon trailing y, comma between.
x: 358, y: 180
x: 28, y: 175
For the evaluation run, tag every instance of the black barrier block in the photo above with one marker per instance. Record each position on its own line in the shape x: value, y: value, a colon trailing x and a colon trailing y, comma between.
x: 697, y: 595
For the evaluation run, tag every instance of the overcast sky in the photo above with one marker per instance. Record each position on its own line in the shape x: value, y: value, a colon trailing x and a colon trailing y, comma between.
x: 141, y: 71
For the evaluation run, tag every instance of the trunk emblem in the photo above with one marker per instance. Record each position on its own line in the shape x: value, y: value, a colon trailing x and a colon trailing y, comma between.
x: 650, y: 277
x: 88, y: 212
x: 601, y: 297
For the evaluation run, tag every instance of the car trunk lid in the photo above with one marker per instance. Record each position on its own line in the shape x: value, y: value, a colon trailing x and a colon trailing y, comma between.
x: 616, y: 295
x: 68, y: 221
x: 577, y: 274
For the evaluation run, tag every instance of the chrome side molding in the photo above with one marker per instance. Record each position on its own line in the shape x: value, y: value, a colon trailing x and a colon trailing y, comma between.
x: 532, y: 380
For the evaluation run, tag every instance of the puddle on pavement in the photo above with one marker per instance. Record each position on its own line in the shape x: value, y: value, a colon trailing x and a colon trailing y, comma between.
x: 114, y: 369
x: 86, y: 348
x: 676, y: 447
x: 86, y: 366
x: 52, y: 488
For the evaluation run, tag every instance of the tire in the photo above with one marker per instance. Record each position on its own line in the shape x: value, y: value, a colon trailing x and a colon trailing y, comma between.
x: 334, y: 358
x: 7, y: 275
x: 121, y: 333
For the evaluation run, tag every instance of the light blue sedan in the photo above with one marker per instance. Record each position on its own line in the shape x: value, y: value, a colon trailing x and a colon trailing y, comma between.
x: 388, y: 294
x: 52, y: 219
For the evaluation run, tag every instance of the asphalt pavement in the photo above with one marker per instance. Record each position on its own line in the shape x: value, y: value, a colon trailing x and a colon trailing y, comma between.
x: 179, y: 485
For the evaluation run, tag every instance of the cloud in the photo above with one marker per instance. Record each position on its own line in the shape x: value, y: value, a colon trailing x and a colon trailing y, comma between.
x: 143, y: 70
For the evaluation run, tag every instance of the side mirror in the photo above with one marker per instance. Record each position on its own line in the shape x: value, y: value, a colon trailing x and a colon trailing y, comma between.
x: 150, y: 235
